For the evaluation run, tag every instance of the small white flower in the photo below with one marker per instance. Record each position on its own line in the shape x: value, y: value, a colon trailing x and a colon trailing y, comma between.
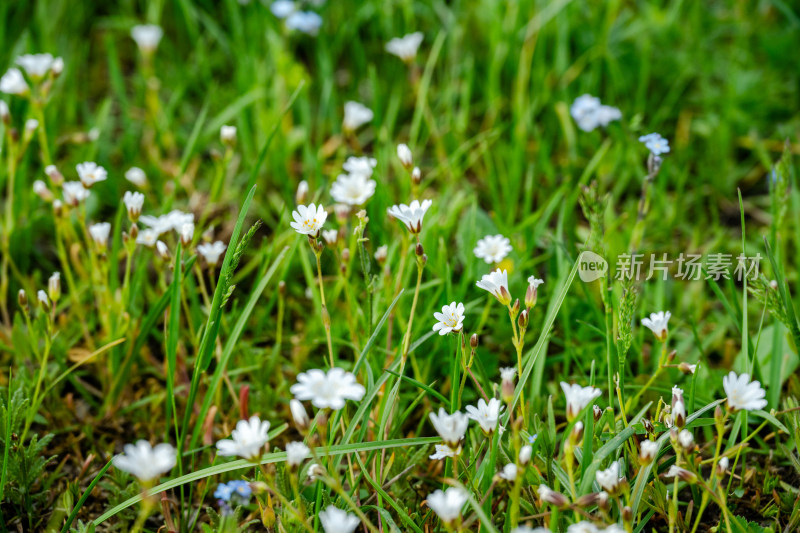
x: 360, y: 165
x: 330, y: 236
x: 54, y: 286
x: 578, y: 398
x: 133, y: 203
x: 136, y: 176
x: 307, y: 22
x: 405, y: 155
x: 147, y: 36
x: 485, y: 414
x: 302, y: 192
x: 174, y: 220
x: 13, y: 82
x: 509, y: 472
x: 649, y: 449
x: 299, y: 414
x: 31, y: 124
x: 282, y: 8
x: 508, y: 373
x: 496, y: 283
x: 492, y: 248
x: 296, y: 453
x: 448, y: 504
x: 742, y: 393
x: 145, y: 461
x: 450, y: 319
x: 99, y: 233
x: 531, y: 293
x: 5, y: 112
x: 655, y: 143
x: 227, y: 134
x: 443, y: 451
x: 315, y: 471
x: 450, y: 427
x: 148, y: 237
x: 90, y: 173
x: 36, y: 65
x: 723, y: 465
x: 583, y: 527
x: 405, y: 47
x: 356, y: 115
x: 352, y: 189
x: 308, y: 220
x: 526, y: 529
x: 610, y: 478
x: 411, y: 215
x: 327, y: 390
x: 335, y: 520
x: 657, y: 323
x: 74, y: 193
x: 211, y: 252
x: 548, y: 495
x: 247, y: 440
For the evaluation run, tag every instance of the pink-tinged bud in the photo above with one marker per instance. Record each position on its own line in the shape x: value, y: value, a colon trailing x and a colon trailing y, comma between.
x: 686, y: 368
x: 244, y: 402
x: 56, y: 178
x: 22, y: 300
x: 587, y: 500
x: 208, y: 426
x: 523, y: 319
x: 681, y: 473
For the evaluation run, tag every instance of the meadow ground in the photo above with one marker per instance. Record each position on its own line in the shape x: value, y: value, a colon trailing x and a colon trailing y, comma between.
x: 399, y: 266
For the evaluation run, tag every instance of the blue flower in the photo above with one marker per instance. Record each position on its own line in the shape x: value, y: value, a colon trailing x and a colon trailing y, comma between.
x: 282, y: 8
x: 655, y: 143
x: 532, y: 438
x: 223, y: 492
x: 240, y: 488
x: 304, y: 21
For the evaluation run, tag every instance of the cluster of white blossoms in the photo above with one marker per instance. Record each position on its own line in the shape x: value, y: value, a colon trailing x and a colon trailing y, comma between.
x: 355, y: 187
x: 36, y: 68
x: 589, y: 113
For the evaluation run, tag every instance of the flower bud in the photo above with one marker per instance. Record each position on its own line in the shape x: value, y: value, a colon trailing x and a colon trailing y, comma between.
x: 416, y: 176
x: 686, y: 440
x: 679, y: 414
x: 5, y: 113
x: 163, y: 251
x: 648, y: 451
x: 302, y: 193
x: 56, y: 178
x: 54, y: 286
x: 577, y: 433
x: 523, y: 319
x: 405, y: 156
x: 43, y: 300
x: 552, y: 497
x: 507, y: 384
x: 381, y: 253
x: 671, y: 356
x: 722, y: 466
x: 346, y: 255
x: 773, y: 285
x: 648, y: 425
x: 299, y: 415
x: 227, y: 134
x: 187, y: 234
x: 473, y: 341
x: 420, y: 251
x: 587, y: 500
x: 22, y: 300
x: 627, y: 514
x: 686, y: 368
x: 41, y: 190
x: 525, y: 454
x: 603, y: 500
x: 598, y: 412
